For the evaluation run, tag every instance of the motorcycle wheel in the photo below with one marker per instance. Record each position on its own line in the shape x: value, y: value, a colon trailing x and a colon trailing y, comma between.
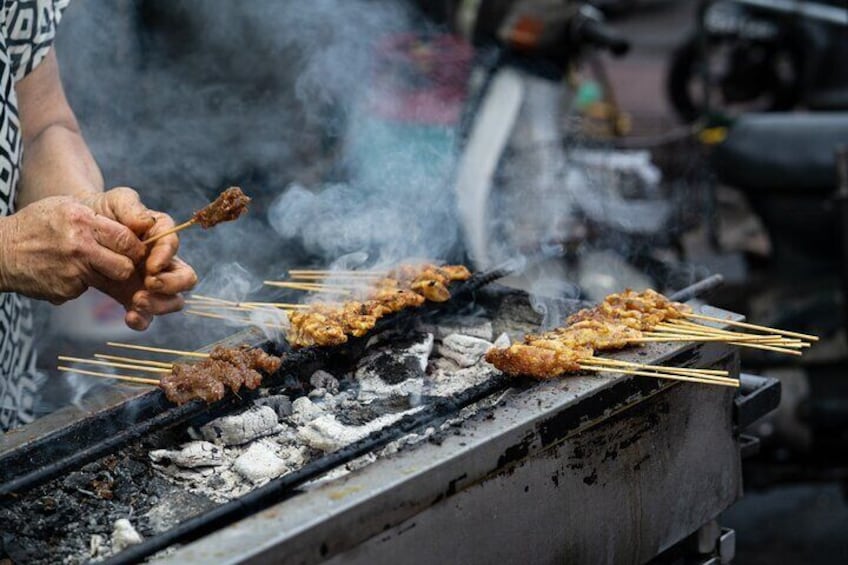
x: 685, y: 87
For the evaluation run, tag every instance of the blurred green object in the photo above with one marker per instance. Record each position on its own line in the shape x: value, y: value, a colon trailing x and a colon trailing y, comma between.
x: 589, y: 92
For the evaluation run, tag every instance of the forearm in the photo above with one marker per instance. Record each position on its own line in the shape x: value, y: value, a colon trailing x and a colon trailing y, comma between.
x: 58, y: 162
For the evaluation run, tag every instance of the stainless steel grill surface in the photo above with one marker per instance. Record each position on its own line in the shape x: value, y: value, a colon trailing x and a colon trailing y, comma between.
x: 407, y: 445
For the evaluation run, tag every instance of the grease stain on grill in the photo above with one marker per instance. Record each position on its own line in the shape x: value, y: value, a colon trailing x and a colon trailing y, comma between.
x: 592, y: 478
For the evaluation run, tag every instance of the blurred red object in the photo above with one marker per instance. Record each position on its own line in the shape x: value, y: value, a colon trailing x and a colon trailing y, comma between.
x: 420, y: 78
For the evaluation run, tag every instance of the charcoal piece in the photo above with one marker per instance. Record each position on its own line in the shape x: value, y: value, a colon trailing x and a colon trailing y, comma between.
x: 242, y: 428
x: 280, y: 403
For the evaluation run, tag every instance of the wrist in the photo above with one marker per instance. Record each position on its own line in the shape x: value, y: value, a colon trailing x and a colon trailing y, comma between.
x: 7, y: 253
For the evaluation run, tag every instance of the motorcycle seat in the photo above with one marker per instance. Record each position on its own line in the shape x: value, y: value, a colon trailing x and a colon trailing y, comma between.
x: 787, y: 153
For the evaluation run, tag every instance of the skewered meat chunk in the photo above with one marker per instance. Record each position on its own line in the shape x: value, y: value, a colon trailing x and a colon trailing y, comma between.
x: 640, y: 311
x: 229, y: 205
x: 407, y: 286
x: 536, y: 361
x: 433, y: 290
x: 595, y: 333
x: 224, y: 368
x: 617, y: 322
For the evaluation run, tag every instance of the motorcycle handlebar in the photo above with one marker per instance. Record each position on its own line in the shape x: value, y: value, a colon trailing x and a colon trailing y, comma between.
x: 600, y: 35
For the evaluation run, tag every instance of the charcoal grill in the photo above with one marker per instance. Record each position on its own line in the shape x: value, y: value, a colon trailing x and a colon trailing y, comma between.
x: 588, y: 469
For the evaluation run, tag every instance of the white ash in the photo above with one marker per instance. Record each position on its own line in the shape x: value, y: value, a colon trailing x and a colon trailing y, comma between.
x: 465, y: 325
x: 446, y: 380
x: 97, y: 548
x: 190, y: 455
x: 278, y: 436
x: 341, y: 471
x: 241, y: 428
x: 259, y: 463
x: 323, y: 380
x: 124, y: 535
x: 304, y: 411
x: 502, y: 341
x: 327, y: 434
x: 463, y: 349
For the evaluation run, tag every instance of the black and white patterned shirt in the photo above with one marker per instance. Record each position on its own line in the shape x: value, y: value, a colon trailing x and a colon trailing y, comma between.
x: 27, y: 28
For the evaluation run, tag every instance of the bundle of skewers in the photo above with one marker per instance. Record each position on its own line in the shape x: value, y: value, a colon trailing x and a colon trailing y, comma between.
x: 370, y: 296
x: 208, y: 378
x: 620, y: 321
x: 630, y: 319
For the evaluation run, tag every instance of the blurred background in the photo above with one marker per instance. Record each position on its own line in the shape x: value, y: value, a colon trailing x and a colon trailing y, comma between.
x: 656, y: 141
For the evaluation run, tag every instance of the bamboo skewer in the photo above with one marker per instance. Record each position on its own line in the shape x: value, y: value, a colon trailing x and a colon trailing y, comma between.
x: 651, y: 338
x: 658, y: 375
x: 209, y: 302
x: 118, y: 365
x: 806, y: 337
x: 204, y: 298
x: 127, y: 378
x: 329, y: 272
x: 157, y: 349
x: 134, y: 360
x: 246, y: 321
x: 699, y: 336
x: 766, y: 339
x: 279, y: 305
x: 174, y: 229
x: 114, y: 364
x: 337, y: 279
x: 309, y: 287
x: 718, y: 380
x: 607, y: 360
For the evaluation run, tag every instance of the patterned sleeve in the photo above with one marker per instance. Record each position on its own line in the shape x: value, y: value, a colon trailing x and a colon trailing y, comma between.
x: 30, y: 28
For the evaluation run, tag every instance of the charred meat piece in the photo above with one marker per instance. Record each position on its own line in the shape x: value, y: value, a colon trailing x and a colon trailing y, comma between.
x: 224, y: 368
x: 229, y: 205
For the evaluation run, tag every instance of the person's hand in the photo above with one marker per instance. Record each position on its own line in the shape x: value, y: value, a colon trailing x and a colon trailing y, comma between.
x: 154, y: 287
x: 56, y: 247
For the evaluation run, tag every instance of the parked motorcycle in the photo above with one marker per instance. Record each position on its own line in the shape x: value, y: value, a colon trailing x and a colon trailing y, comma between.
x: 761, y: 55
x: 788, y: 167
x: 528, y: 173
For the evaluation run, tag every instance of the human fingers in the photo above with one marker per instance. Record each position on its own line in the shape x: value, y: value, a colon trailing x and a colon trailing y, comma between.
x: 137, y: 321
x: 177, y: 277
x: 124, y: 205
x: 119, y: 238
x: 163, y: 250
x: 147, y: 302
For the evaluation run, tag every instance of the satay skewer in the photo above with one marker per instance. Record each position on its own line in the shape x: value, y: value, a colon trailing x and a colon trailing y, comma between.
x: 309, y: 287
x: 799, y: 335
x: 766, y: 339
x: 658, y: 375
x: 179, y: 352
x: 174, y: 229
x: 245, y: 321
x: 133, y: 360
x: 115, y: 364
x: 126, y: 378
x: 609, y: 361
x: 228, y: 206
x: 662, y: 370
x: 329, y: 272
